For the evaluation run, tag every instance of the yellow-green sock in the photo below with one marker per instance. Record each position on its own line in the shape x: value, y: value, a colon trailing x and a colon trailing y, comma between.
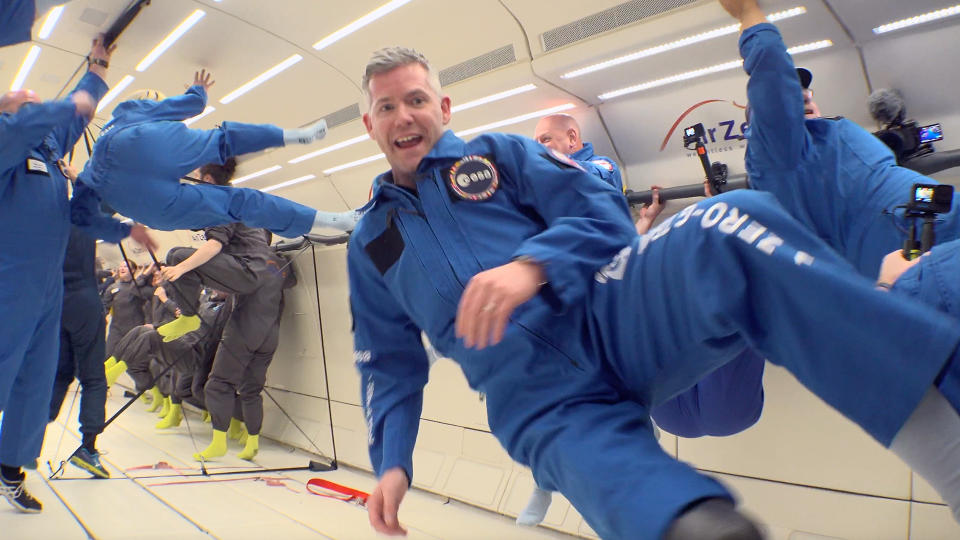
x: 236, y: 429
x: 165, y: 409
x: 205, y: 416
x: 157, y: 401
x: 173, y: 418
x: 217, y: 448
x: 183, y: 324
x: 112, y: 361
x: 115, y: 372
x: 250, y: 448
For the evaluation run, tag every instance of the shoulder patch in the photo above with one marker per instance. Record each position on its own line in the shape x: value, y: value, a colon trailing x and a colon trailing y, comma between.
x: 474, y: 178
x: 603, y: 163
x: 561, y: 159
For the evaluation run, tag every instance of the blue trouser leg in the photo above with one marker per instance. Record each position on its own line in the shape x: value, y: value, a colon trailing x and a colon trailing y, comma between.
x: 139, y: 168
x: 66, y: 371
x: 605, y: 460
x: 83, y: 320
x: 738, y: 267
x: 727, y: 401
x: 28, y: 407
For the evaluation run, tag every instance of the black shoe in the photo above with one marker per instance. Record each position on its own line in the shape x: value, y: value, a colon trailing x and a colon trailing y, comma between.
x: 19, y: 497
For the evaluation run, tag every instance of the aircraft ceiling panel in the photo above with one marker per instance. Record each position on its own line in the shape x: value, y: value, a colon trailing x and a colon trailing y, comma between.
x: 817, y: 24
x: 538, y: 18
x: 861, y: 16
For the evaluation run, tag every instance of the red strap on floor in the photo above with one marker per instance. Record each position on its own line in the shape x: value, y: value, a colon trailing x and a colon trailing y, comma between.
x: 341, y: 493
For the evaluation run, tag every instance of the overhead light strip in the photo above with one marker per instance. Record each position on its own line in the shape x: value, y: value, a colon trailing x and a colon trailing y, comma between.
x: 171, y: 38
x: 50, y: 22
x: 359, y: 23
x: 205, y: 112
x: 251, y: 176
x: 114, y: 92
x: 918, y: 19
x: 331, y: 148
x: 516, y: 119
x: 25, y: 67
x: 494, y: 97
x: 726, y: 66
x: 494, y: 125
x: 260, y: 79
x: 353, y: 164
x: 684, y: 42
x: 289, y: 183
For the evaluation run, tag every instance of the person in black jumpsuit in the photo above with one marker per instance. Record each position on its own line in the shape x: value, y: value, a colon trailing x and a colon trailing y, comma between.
x: 238, y: 260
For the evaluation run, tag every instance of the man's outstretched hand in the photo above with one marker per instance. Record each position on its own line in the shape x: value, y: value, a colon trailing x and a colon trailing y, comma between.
x: 384, y: 502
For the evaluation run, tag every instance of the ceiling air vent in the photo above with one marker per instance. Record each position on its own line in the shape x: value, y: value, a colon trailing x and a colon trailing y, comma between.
x: 615, y: 17
x: 481, y: 64
x: 93, y: 17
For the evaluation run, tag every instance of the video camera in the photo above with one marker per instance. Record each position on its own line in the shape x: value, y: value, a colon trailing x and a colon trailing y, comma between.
x: 926, y: 201
x: 909, y: 140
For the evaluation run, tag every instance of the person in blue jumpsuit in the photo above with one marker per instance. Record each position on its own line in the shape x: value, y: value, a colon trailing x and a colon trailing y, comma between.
x: 17, y: 16
x: 725, y: 402
x: 830, y: 174
x: 528, y: 272
x: 145, y: 149
x: 35, y: 219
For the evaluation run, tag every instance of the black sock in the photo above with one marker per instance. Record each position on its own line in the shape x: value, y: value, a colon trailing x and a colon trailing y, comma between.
x: 90, y: 442
x: 10, y: 474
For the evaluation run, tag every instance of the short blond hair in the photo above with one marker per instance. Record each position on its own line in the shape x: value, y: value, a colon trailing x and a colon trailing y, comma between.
x: 390, y: 58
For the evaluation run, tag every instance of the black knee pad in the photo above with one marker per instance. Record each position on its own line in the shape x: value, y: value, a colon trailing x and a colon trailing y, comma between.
x: 712, y: 519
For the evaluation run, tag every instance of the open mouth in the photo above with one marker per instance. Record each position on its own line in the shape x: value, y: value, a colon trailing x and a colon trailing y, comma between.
x: 408, y: 141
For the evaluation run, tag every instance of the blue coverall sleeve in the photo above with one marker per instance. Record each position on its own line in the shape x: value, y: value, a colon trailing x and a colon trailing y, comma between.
x: 778, y: 135
x: 25, y: 130
x: 67, y: 133
x: 393, y: 366
x: 85, y: 213
x: 587, y: 220
x: 186, y: 105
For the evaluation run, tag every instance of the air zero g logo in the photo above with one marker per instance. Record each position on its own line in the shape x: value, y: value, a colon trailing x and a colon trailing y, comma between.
x: 474, y: 178
x: 727, y: 131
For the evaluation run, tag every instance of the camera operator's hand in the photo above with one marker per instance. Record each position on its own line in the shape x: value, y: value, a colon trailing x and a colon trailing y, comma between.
x: 745, y: 11
x: 649, y: 213
x: 893, y: 266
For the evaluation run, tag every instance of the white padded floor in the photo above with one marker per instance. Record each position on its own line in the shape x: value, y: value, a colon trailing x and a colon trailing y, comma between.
x: 153, y: 503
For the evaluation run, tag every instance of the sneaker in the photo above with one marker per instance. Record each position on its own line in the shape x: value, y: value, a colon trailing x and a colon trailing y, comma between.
x: 90, y: 462
x: 19, y: 497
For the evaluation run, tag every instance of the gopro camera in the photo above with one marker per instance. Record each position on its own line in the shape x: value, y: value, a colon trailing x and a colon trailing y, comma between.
x: 694, y: 134
x: 931, y: 198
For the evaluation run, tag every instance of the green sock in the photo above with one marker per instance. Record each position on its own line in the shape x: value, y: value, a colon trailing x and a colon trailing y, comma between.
x: 183, y: 324
x: 236, y: 429
x: 250, y: 448
x: 173, y: 418
x: 217, y: 448
x: 165, y: 409
x: 115, y: 372
x: 157, y: 399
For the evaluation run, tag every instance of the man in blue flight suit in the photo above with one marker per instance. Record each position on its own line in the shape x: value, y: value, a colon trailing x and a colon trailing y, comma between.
x: 145, y: 149
x: 527, y: 271
x: 561, y: 132
x: 831, y: 174
x: 35, y: 218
